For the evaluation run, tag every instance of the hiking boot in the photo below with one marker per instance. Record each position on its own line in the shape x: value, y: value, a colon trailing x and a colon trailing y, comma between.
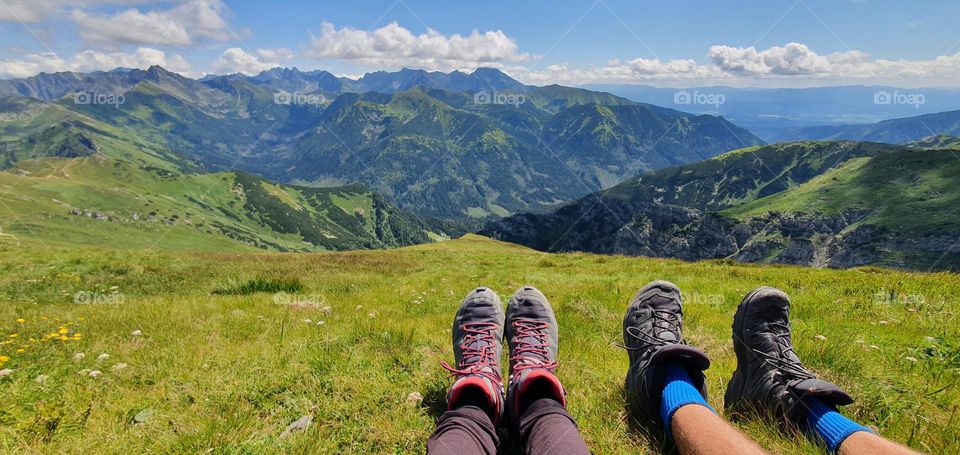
x: 477, y: 346
x: 532, y: 338
x: 770, y: 378
x: 652, y: 337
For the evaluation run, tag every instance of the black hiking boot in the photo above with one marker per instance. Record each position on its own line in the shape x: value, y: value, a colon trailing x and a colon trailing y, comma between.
x: 532, y: 337
x: 477, y: 335
x: 770, y: 378
x: 652, y: 337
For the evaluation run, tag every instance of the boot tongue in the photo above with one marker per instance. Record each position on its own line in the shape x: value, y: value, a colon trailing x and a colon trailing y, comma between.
x: 829, y: 393
x: 685, y: 354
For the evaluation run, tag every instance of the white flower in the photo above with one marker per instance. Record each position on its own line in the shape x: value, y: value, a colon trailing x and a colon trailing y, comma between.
x: 414, y: 398
x: 372, y: 315
x: 359, y: 307
x: 137, y: 333
x: 321, y: 322
x: 103, y: 356
x: 94, y: 373
x: 821, y: 337
x: 884, y: 322
x: 6, y: 372
x: 41, y: 379
x: 79, y: 356
x: 307, y: 321
x: 119, y: 366
x: 912, y: 359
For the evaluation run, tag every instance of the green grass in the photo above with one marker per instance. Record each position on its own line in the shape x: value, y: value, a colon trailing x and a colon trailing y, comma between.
x: 227, y: 373
x: 909, y: 191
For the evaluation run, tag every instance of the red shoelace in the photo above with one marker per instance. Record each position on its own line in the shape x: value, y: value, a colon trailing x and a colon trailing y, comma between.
x: 478, y: 353
x: 531, y: 338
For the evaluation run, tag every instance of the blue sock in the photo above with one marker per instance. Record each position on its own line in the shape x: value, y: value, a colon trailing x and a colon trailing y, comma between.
x: 832, y: 426
x: 678, y: 391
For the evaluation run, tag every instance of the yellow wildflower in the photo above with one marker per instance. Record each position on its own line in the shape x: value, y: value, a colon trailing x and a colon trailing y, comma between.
x: 63, y: 338
x: 82, y: 319
x: 14, y: 335
x: 63, y: 330
x: 4, y: 358
x: 21, y: 320
x: 21, y: 350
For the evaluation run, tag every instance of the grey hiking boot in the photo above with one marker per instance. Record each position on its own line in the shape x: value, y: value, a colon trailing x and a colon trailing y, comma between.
x: 477, y: 347
x: 770, y: 378
x: 653, y: 339
x: 532, y: 336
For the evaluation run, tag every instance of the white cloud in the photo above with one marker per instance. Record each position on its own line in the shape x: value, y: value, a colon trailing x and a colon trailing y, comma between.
x: 789, y: 65
x: 393, y: 46
x: 38, y: 10
x: 792, y: 59
x: 236, y: 60
x: 89, y: 60
x: 184, y: 24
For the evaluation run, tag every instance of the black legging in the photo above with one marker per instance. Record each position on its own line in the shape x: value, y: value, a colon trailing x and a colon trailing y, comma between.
x: 545, y: 428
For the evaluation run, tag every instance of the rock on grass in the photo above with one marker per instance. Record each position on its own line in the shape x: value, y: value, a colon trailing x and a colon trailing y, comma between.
x: 298, y: 425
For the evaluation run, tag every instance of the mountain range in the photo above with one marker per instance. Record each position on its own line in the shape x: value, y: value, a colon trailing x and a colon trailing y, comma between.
x: 451, y: 145
x: 289, y: 160
x: 892, y: 131
x: 774, y: 114
x: 836, y: 204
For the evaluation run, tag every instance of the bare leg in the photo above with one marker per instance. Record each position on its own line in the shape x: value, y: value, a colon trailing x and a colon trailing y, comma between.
x: 864, y: 443
x: 698, y: 431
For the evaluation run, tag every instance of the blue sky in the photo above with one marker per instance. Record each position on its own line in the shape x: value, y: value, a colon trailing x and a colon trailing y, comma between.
x: 667, y: 43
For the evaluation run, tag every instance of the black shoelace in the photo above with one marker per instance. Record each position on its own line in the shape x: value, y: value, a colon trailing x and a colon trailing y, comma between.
x: 663, y: 321
x: 782, y: 361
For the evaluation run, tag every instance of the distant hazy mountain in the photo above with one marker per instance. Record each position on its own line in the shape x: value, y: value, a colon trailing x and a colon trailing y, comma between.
x: 836, y: 204
x: 894, y: 131
x: 455, y: 145
x: 769, y: 113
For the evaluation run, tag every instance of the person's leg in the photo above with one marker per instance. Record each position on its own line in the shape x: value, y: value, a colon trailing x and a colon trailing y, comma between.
x: 844, y: 436
x: 665, y: 380
x: 693, y: 424
x: 770, y: 380
x: 464, y: 430
x: 697, y: 430
x: 475, y: 400
x: 863, y: 443
x: 536, y: 401
x: 547, y: 428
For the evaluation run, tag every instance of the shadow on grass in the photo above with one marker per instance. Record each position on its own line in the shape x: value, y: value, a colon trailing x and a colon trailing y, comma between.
x: 435, y: 399
x: 643, y: 428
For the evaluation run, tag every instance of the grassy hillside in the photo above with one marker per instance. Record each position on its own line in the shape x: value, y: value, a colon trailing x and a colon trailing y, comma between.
x: 100, y: 201
x: 233, y: 348
x: 742, y: 175
x: 909, y: 191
